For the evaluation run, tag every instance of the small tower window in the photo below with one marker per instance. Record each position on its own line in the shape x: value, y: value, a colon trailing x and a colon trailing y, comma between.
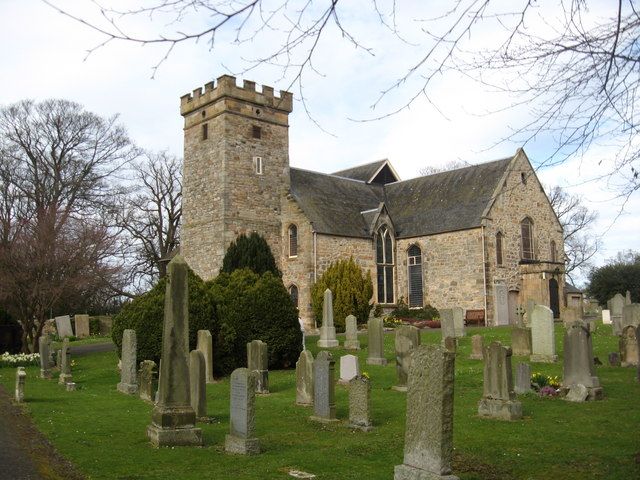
x: 293, y: 293
x: 554, y: 254
x: 526, y: 235
x: 258, y: 165
x: 293, y: 241
x: 257, y: 132
x: 523, y: 178
x: 499, y: 248
x: 205, y: 131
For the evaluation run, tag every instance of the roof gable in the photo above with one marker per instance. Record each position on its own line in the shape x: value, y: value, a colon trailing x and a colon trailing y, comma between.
x: 380, y: 173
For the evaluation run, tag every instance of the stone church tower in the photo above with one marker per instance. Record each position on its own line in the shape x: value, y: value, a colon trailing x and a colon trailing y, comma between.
x: 236, y: 168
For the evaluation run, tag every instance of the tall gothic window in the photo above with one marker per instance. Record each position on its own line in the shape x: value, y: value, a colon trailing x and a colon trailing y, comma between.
x: 293, y: 293
x: 414, y: 259
x: 526, y: 233
x: 384, y: 260
x: 554, y: 253
x: 499, y: 248
x: 293, y: 241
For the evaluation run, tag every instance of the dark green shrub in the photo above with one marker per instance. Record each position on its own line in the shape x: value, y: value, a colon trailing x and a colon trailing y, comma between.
x: 254, y: 307
x: 94, y: 326
x: 402, y: 310
x: 250, y: 252
x: 145, y: 315
x: 352, y: 290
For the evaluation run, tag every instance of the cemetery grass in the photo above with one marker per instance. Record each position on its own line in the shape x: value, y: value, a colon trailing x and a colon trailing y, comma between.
x: 103, y: 431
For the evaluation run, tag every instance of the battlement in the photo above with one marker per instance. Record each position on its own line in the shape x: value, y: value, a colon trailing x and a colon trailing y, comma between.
x: 225, y: 86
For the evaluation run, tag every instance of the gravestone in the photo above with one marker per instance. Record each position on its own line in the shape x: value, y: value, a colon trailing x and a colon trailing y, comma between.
x: 128, y: 377
x: 523, y: 379
x: 63, y: 326
x: 451, y: 344
x: 44, y: 347
x: 477, y: 344
x: 324, y: 398
x: 501, y: 299
x: 21, y: 376
x: 629, y: 346
x: 258, y: 363
x: 543, y: 345
x: 498, y: 398
x: 65, y: 363
x: 351, y: 341
x: 458, y: 321
x: 360, y: 403
x: 327, y: 330
x: 147, y: 380
x: 521, y: 341
x: 631, y: 315
x: 58, y: 359
x: 304, y: 335
x: 578, y: 367
x: 577, y: 393
x: 349, y: 368
x: 242, y: 414
x: 428, y: 441
x: 616, y: 306
x: 173, y: 420
x: 205, y: 345
x: 82, y: 325
x: 375, y: 350
x: 407, y: 338
x: 198, y: 383
x: 606, y: 317
x: 520, y: 311
x: 570, y: 316
x: 447, y: 328
x: 638, y: 369
x: 531, y: 305
x: 627, y: 298
x: 614, y: 359
x: 304, y: 378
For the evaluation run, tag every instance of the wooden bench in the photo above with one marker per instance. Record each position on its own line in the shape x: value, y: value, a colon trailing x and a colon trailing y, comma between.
x: 474, y: 317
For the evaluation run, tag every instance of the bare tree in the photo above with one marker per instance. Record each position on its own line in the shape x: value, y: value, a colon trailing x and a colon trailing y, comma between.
x: 57, y: 169
x: 452, y: 165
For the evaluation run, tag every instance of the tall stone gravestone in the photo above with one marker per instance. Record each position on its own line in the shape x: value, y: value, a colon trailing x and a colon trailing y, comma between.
x: 81, y: 322
x: 631, y: 315
x: 360, y: 403
x: 304, y: 378
x: 521, y: 340
x: 458, y: 321
x: 617, y: 305
x: 128, y: 375
x: 324, y: 397
x: 407, y: 338
x: 147, y: 380
x: 578, y: 367
x: 63, y: 326
x: 21, y: 376
x: 428, y: 441
x: 351, y: 341
x: 349, y: 368
x: 173, y: 419
x: 375, y: 353
x: 242, y: 414
x: 531, y: 305
x: 446, y: 324
x: 627, y: 298
x: 477, y: 344
x: 606, y: 317
x: 205, y: 345
x: 501, y: 299
x: 198, y: 383
x: 258, y: 363
x: 44, y: 348
x: 629, y: 346
x: 543, y: 345
x: 327, y: 330
x: 65, y: 363
x: 523, y: 379
x: 498, y: 397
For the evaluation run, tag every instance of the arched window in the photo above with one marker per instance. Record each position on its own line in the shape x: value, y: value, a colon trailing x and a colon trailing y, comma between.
x: 414, y: 259
x: 554, y: 253
x: 384, y: 260
x: 499, y: 248
x: 526, y: 233
x: 293, y: 293
x: 293, y: 241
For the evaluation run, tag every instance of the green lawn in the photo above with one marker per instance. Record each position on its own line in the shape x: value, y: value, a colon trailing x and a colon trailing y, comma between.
x: 103, y: 431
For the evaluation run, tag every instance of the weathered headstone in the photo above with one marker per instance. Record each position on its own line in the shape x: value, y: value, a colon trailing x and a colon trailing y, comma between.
x: 451, y: 344
x: 627, y: 298
x: 616, y: 306
x: 606, y: 317
x: 520, y: 311
x: 578, y: 367
x: 501, y: 302
x: 198, y: 383
x: 477, y: 344
x: 521, y: 341
x: 82, y: 325
x: 327, y: 330
x: 428, y: 441
x: 375, y: 350
x: 407, y: 338
x: 258, y: 363
x: 447, y: 328
x: 128, y: 375
x: 205, y: 345
x: 543, y: 345
x: 351, y: 341
x: 21, y: 376
x: 324, y: 398
x: 631, y: 315
x: 523, y: 379
x: 44, y: 346
x: 458, y: 321
x: 349, y: 368
x: 360, y: 403
x: 65, y: 363
x: 570, y: 316
x: 173, y: 420
x: 629, y: 346
x: 531, y: 305
x: 614, y: 359
x: 498, y: 398
x: 63, y: 326
x: 304, y: 378
x: 147, y: 380
x: 577, y: 393
x: 242, y: 416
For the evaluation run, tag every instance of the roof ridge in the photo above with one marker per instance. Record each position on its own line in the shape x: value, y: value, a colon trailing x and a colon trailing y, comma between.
x: 361, y: 165
x: 454, y: 170
x: 333, y: 175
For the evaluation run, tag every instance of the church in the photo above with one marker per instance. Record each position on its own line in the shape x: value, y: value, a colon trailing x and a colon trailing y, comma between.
x: 483, y: 237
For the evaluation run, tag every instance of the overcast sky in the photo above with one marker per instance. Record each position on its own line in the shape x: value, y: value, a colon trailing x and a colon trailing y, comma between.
x: 43, y: 56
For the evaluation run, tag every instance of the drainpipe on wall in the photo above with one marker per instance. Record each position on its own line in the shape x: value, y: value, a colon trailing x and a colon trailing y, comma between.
x: 484, y: 273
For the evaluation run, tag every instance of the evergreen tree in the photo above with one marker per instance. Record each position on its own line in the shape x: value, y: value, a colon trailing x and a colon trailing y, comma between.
x: 250, y: 252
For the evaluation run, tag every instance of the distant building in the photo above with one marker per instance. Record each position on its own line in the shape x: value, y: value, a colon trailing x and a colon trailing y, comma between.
x: 480, y: 237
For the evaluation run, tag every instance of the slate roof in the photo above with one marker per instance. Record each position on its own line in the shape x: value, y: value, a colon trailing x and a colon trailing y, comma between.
x: 443, y: 202
x: 569, y: 288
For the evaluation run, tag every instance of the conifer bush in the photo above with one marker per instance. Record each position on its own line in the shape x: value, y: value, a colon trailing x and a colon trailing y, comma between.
x: 352, y: 290
x: 250, y: 252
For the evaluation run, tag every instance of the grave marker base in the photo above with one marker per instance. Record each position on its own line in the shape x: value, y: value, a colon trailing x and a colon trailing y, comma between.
x: 128, y: 388
x: 500, y: 409
x: 376, y: 361
x: 174, y: 437
x: 407, y: 472
x: 543, y: 358
x: 242, y: 446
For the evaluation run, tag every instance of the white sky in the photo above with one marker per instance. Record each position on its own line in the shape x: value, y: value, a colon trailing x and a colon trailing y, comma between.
x: 43, y: 57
